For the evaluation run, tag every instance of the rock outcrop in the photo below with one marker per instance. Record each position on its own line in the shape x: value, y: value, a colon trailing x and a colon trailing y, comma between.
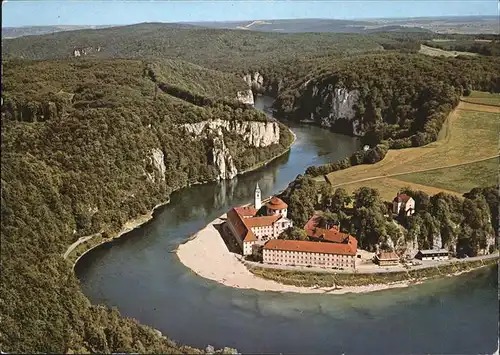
x: 256, y: 134
x: 437, y: 241
x: 329, y: 105
x: 490, y: 242
x: 255, y: 81
x: 334, y: 104
x: 79, y: 52
x: 155, y: 166
x: 245, y: 97
x: 222, y: 160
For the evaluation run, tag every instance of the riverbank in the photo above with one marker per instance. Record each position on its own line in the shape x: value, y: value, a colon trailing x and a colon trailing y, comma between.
x: 207, y: 255
x: 86, y: 243
x: 412, y: 276
x: 75, y: 253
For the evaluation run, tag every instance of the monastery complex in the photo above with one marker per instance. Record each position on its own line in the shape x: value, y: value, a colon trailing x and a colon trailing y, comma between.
x: 256, y: 229
x: 254, y: 226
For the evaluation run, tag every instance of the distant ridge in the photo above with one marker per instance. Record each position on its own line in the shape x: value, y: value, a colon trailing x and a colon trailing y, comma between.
x: 443, y: 24
x: 14, y: 32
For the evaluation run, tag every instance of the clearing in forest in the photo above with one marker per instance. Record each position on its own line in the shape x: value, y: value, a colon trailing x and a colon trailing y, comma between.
x: 483, y: 98
x: 464, y: 156
x: 437, y: 52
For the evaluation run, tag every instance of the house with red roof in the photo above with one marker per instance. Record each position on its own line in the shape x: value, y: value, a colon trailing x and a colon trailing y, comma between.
x: 403, y: 202
x: 327, y: 247
x: 250, y: 229
x: 316, y: 232
x: 307, y: 253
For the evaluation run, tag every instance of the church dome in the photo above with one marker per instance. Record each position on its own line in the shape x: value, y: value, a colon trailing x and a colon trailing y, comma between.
x: 276, y: 204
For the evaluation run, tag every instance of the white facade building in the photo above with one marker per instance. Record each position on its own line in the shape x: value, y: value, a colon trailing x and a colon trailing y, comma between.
x: 306, y: 253
x: 433, y: 254
x: 250, y: 229
x: 403, y: 201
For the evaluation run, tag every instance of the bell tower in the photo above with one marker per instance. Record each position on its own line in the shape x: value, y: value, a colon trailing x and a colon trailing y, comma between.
x: 258, y: 201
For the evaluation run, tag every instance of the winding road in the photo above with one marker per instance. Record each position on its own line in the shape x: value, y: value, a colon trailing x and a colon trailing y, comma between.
x: 77, y: 243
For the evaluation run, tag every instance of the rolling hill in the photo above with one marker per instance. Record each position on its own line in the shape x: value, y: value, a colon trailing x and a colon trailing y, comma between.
x: 86, y: 146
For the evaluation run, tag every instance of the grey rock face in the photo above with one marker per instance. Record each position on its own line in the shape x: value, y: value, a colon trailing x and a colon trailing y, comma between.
x: 159, y: 168
x: 222, y: 160
x: 245, y: 97
x: 255, y: 80
x: 257, y: 134
x: 335, y: 104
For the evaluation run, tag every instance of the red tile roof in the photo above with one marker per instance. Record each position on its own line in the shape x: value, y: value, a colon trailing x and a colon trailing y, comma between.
x: 276, y: 204
x: 238, y: 222
x: 246, y: 211
x: 401, y: 198
x: 331, y: 235
x: 353, y: 242
x: 243, y: 221
x: 261, y: 221
x: 310, y: 247
x: 312, y: 224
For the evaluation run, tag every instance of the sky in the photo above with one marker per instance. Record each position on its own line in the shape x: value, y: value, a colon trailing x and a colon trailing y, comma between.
x: 16, y: 13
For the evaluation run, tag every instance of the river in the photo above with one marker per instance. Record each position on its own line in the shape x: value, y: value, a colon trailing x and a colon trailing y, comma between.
x: 141, y: 277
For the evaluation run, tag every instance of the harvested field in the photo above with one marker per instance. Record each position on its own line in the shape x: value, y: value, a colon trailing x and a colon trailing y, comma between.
x: 436, y: 52
x: 483, y: 98
x: 464, y: 156
x: 388, y: 187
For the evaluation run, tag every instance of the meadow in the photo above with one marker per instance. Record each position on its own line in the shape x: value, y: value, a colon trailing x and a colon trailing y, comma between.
x: 436, y: 52
x: 483, y: 98
x: 464, y: 156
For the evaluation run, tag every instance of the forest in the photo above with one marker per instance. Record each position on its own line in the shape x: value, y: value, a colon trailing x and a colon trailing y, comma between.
x: 403, y: 98
x: 77, y: 135
x: 467, y: 226
x: 76, y: 143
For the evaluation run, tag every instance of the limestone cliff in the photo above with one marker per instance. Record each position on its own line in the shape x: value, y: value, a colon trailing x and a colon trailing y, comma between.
x: 261, y: 84
x: 333, y: 105
x: 328, y: 104
x: 255, y: 134
x: 222, y: 160
x: 245, y: 97
x: 254, y: 81
x: 155, y: 166
x: 490, y: 242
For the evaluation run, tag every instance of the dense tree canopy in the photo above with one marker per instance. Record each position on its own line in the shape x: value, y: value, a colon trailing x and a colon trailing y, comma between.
x: 403, y: 98
x: 77, y: 142
x: 464, y: 226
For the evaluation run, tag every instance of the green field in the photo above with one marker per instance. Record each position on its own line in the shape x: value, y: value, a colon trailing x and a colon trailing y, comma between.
x: 461, y: 178
x: 437, y: 52
x: 483, y: 98
x: 469, y: 136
